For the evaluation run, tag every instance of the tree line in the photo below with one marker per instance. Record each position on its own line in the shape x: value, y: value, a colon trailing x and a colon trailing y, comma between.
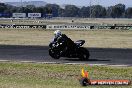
x: 94, y: 11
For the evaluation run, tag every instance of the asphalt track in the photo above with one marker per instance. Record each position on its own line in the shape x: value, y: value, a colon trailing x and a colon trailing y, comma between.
x: 108, y: 56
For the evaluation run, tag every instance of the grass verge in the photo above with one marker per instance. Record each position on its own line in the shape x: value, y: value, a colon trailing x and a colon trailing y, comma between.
x: 93, y: 38
x: 31, y: 75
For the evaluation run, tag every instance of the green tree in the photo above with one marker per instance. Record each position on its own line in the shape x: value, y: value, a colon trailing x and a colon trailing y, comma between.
x: 53, y: 9
x: 71, y: 11
x: 32, y: 8
x: 84, y: 12
x: 97, y: 11
x: 128, y: 12
x: 116, y: 11
x: 61, y: 12
x: 2, y: 7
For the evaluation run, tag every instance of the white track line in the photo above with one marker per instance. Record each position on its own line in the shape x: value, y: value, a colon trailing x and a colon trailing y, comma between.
x: 122, y: 65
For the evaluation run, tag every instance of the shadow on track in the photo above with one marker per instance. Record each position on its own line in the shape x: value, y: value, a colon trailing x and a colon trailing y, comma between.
x: 90, y: 60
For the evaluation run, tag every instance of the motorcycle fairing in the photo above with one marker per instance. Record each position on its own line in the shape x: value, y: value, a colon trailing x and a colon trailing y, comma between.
x: 80, y: 42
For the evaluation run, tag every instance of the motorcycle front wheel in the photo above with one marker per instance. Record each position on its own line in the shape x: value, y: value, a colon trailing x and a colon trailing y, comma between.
x: 54, y: 54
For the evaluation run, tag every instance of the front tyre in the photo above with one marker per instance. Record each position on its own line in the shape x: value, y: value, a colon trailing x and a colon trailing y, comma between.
x: 54, y: 54
x: 83, y: 54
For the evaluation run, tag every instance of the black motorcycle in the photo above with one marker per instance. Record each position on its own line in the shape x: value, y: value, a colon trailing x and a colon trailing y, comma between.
x: 59, y: 49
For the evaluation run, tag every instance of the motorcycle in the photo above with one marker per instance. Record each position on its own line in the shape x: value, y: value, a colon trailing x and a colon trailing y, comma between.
x: 59, y: 49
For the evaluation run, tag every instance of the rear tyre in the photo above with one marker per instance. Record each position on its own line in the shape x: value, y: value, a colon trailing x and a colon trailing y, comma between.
x: 83, y: 54
x: 54, y: 54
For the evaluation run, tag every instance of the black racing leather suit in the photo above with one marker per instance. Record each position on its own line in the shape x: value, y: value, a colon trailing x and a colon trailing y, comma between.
x: 68, y: 44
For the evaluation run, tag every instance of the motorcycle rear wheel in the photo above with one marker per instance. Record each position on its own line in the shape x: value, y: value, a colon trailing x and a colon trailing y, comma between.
x: 83, y: 54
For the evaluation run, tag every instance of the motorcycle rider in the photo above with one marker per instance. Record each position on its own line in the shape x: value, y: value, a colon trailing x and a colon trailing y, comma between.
x: 62, y: 38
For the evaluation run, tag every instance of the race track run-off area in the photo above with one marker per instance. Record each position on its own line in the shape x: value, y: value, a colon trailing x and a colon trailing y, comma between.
x: 108, y: 56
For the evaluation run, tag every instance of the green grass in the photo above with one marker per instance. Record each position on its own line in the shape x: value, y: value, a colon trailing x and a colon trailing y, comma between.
x: 31, y: 75
x: 68, y: 20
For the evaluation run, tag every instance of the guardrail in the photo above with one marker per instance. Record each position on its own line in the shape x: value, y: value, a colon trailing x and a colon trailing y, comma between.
x: 64, y: 26
x: 23, y: 26
x: 86, y: 27
x: 113, y: 27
